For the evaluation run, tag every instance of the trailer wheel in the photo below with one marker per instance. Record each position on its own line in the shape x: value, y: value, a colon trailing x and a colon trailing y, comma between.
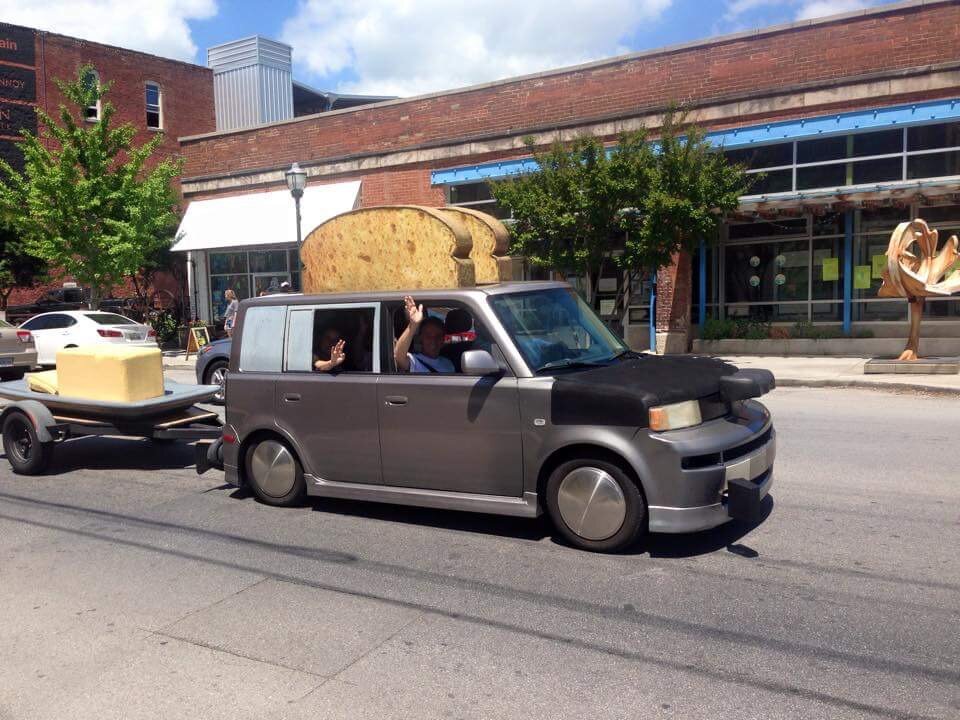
x: 27, y: 455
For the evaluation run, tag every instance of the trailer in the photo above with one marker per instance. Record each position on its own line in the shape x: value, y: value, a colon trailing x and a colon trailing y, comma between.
x: 34, y: 423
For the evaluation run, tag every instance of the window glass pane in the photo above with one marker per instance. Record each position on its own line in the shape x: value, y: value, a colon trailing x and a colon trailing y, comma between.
x: 893, y: 310
x: 831, y: 223
x: 743, y: 231
x: 822, y: 176
x: 827, y: 282
x: 153, y: 119
x: 354, y: 326
x: 293, y: 257
x: 153, y: 96
x: 770, y: 182
x: 760, y: 272
x: 942, y: 213
x: 219, y: 285
x: 223, y: 263
x: 762, y: 156
x: 865, y: 247
x: 300, y: 341
x: 880, y: 220
x: 869, y: 171
x: 109, y: 319
x: 945, y: 309
x: 268, y: 261
x: 827, y: 312
x: 261, y: 347
x: 831, y: 148
x: 931, y: 137
x: 769, y: 313
x: 471, y: 192
x: 933, y: 165
x: 877, y: 143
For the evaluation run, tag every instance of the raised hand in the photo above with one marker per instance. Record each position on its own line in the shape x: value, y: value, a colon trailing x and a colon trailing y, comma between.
x: 337, y: 354
x: 414, y: 311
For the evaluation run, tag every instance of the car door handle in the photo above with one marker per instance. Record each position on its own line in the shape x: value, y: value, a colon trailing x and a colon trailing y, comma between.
x: 396, y: 400
x: 291, y: 397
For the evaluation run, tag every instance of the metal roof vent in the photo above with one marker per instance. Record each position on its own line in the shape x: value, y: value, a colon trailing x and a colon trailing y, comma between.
x: 252, y: 82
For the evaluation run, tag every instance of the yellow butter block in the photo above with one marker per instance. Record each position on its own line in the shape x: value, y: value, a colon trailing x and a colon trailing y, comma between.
x: 110, y: 373
x: 45, y: 382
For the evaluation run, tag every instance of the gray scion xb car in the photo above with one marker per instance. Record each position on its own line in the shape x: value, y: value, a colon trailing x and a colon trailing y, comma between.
x: 547, y: 411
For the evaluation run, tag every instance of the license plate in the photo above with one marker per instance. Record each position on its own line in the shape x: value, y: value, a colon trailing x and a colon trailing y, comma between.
x: 6, y: 361
x: 134, y: 336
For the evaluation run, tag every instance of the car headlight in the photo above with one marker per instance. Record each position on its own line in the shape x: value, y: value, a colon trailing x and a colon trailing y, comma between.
x: 675, y: 416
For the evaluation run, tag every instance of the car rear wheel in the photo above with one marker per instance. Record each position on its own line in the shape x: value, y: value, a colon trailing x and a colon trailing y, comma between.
x: 595, y: 505
x: 27, y: 455
x: 216, y: 374
x: 274, y: 473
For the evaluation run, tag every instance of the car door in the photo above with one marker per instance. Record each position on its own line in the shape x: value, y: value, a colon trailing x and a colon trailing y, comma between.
x: 332, y: 415
x: 50, y: 332
x: 451, y: 432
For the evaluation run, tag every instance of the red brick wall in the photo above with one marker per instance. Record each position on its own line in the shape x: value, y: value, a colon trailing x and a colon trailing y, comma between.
x: 400, y: 187
x: 817, y: 54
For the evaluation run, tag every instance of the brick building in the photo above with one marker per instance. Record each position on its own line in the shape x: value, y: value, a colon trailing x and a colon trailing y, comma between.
x: 153, y: 93
x: 852, y: 120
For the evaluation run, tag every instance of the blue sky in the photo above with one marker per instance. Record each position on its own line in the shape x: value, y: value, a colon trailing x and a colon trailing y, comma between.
x: 406, y: 47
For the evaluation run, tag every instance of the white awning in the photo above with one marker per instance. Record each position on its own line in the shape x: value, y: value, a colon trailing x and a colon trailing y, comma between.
x: 266, y: 218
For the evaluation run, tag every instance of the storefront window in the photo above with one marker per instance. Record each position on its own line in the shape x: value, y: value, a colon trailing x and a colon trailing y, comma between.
x: 224, y: 263
x: 219, y: 284
x: 250, y: 272
x: 767, y: 272
x: 268, y: 261
x: 827, y: 276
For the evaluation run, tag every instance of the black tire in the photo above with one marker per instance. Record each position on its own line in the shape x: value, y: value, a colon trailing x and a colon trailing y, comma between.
x: 27, y: 455
x: 217, y: 366
x: 266, y: 465
x: 14, y: 374
x: 634, y: 506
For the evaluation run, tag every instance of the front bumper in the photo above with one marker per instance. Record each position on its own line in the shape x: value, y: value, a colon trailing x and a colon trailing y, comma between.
x: 733, y: 480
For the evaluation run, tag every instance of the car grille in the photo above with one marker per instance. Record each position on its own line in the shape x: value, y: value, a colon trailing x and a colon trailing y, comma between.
x: 693, y: 462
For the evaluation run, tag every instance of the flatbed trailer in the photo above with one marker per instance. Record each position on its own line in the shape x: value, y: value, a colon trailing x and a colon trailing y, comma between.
x: 34, y: 423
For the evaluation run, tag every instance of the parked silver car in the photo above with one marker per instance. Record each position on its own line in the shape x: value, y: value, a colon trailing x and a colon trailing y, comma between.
x: 18, y: 352
x: 547, y: 411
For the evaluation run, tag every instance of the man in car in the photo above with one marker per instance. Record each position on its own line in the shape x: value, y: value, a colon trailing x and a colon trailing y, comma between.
x: 430, y: 331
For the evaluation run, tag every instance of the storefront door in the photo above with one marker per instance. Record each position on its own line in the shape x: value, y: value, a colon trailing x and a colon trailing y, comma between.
x: 269, y: 282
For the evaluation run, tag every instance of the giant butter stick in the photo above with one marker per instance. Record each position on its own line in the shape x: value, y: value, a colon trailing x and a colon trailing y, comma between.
x: 110, y: 373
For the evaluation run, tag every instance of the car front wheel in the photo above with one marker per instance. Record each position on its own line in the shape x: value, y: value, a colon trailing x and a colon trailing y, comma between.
x: 595, y: 505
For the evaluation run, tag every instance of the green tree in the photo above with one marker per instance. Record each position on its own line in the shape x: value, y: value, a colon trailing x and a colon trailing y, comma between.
x: 18, y: 268
x: 89, y: 200
x: 639, y: 205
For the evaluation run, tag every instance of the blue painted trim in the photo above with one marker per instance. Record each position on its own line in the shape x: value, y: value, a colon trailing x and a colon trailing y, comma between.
x: 653, y: 313
x: 703, y: 283
x: 847, y: 270
x: 857, y: 120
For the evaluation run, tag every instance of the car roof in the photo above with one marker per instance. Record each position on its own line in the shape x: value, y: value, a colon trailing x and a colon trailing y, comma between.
x: 422, y: 294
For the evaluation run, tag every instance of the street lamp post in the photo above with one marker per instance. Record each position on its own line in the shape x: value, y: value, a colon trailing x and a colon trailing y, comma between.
x: 297, y: 181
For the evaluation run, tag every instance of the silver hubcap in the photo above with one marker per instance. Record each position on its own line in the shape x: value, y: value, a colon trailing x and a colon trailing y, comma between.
x: 219, y: 377
x: 273, y: 468
x: 591, y: 503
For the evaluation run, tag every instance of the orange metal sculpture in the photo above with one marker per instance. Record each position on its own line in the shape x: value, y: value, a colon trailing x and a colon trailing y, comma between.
x: 917, y: 270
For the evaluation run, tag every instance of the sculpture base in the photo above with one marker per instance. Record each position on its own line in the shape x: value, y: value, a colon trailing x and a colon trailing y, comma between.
x: 923, y: 366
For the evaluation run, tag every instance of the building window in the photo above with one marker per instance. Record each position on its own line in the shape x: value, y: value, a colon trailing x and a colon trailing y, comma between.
x: 153, y: 106
x: 91, y: 80
x: 476, y: 195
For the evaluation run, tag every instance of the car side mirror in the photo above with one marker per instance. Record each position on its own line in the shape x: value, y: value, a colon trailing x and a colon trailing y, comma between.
x: 479, y: 363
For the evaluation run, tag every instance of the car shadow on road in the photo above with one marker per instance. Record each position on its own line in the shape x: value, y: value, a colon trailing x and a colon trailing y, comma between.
x: 119, y: 453
x: 477, y: 523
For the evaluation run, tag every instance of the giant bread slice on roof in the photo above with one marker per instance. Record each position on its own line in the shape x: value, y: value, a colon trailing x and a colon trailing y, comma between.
x: 403, y: 247
x: 490, y: 243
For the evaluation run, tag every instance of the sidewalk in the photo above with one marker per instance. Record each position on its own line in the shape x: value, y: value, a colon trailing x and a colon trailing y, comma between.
x: 819, y: 371
x: 792, y: 371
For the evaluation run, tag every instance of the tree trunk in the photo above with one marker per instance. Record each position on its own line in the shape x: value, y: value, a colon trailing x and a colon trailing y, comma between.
x: 912, y: 350
x: 95, y: 294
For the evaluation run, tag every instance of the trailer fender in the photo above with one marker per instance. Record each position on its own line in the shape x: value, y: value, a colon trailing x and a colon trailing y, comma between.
x: 39, y: 414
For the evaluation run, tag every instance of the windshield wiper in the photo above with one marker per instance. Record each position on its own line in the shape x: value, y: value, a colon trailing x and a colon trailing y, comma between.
x: 569, y: 363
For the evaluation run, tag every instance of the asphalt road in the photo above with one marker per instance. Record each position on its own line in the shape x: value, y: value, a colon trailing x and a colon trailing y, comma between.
x: 131, y: 588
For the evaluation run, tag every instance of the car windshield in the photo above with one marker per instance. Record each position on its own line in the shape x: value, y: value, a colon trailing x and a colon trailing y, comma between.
x: 554, y: 328
x: 110, y: 319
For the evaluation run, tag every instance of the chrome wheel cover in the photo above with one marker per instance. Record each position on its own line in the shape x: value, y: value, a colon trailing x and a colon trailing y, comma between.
x: 273, y: 468
x: 219, y: 377
x: 591, y: 503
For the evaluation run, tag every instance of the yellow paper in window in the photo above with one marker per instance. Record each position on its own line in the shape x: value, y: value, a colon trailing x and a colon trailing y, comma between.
x: 879, y: 264
x: 831, y: 269
x: 861, y: 277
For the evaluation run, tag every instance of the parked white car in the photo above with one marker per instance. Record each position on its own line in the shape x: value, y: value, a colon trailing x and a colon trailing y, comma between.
x: 75, y: 328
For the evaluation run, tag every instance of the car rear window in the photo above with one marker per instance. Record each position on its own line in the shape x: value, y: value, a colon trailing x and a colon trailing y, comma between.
x: 110, y: 319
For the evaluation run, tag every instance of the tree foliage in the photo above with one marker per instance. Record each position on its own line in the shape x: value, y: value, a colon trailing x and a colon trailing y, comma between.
x: 87, y: 202
x: 18, y: 268
x: 635, y: 205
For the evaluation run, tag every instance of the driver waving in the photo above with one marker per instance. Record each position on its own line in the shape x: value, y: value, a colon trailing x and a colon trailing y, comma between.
x: 430, y: 331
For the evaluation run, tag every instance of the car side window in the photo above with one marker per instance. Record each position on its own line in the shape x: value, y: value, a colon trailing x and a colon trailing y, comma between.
x: 333, y: 338
x: 37, y: 323
x: 261, y: 347
x: 462, y: 330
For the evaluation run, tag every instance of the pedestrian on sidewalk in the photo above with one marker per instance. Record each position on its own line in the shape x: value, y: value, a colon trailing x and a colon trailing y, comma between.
x: 230, y: 316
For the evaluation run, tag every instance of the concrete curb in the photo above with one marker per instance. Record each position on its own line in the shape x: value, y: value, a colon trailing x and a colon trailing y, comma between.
x: 866, y: 384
